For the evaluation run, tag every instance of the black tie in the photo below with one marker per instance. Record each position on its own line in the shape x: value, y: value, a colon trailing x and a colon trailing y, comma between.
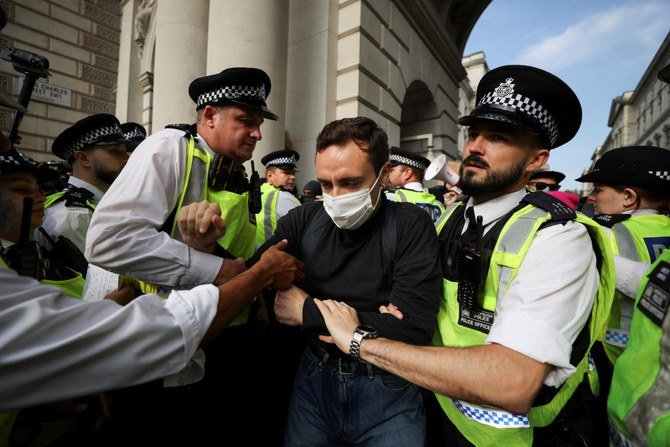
x: 470, y: 235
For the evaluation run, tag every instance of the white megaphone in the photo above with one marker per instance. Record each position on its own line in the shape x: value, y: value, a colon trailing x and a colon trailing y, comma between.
x: 439, y: 169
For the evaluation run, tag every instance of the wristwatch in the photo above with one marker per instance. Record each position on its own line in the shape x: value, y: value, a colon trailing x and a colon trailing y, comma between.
x: 360, y: 333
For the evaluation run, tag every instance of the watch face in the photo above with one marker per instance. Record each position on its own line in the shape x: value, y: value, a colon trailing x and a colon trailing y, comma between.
x: 367, y: 330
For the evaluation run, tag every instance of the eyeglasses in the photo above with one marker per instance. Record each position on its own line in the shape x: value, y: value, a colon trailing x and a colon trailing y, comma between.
x: 541, y: 186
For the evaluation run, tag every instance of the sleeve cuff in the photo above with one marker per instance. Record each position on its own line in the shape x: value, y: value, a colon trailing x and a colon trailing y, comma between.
x: 203, y: 268
x: 312, y: 320
x: 194, y: 311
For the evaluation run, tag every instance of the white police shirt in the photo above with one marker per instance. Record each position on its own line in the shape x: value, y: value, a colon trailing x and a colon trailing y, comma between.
x: 55, y: 347
x: 124, y: 234
x: 69, y: 221
x: 550, y: 300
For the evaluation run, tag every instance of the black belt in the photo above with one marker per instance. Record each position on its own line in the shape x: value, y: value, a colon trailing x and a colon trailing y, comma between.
x: 344, y: 363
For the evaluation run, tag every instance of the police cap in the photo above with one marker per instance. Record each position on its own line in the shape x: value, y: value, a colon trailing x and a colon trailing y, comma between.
x: 531, y: 99
x: 644, y: 166
x: 134, y: 133
x: 13, y: 161
x: 545, y: 171
x: 402, y: 157
x: 102, y: 129
x: 241, y: 85
x: 285, y: 159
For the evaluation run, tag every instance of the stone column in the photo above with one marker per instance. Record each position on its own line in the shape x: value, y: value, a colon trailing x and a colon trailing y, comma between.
x: 253, y: 33
x: 312, y: 78
x: 179, y: 57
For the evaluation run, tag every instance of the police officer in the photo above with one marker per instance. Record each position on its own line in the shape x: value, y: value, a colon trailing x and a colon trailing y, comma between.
x: 514, y: 335
x: 545, y: 179
x: 276, y: 196
x: 631, y: 194
x: 97, y: 151
x: 407, y: 171
x: 22, y: 179
x: 135, y: 230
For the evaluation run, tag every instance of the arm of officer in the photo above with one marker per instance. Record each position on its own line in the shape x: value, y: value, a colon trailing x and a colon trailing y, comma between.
x: 275, y: 269
x: 490, y: 374
x: 201, y: 226
x: 124, y: 235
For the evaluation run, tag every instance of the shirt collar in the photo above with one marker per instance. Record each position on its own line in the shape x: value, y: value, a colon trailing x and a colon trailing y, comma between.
x: 203, y: 144
x: 494, y: 209
x: 414, y: 186
x: 79, y: 183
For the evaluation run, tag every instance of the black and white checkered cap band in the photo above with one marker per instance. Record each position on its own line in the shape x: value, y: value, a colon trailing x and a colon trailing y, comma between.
x: 11, y: 159
x: 231, y: 92
x: 527, y: 106
x: 664, y: 175
x: 407, y: 161
x: 133, y: 134
x: 283, y: 161
x: 91, y: 137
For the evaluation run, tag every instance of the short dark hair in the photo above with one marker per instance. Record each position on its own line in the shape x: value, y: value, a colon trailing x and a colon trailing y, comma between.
x: 367, y: 135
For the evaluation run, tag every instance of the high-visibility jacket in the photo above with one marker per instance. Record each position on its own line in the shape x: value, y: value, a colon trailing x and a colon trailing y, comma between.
x: 639, y: 398
x: 239, y: 239
x: 266, y: 219
x: 425, y: 200
x: 639, y: 238
x: 493, y: 426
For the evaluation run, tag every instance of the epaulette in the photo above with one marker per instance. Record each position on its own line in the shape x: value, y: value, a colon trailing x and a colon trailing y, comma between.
x: 608, y: 220
x: 560, y: 211
x: 78, y: 197
x: 189, y: 129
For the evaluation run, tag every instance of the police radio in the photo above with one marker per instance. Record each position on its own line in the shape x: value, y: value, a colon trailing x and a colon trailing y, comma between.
x: 24, y: 256
x: 472, y: 263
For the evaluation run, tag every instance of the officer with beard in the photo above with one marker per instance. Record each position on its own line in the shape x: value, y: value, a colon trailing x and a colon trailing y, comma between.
x: 517, y: 317
x: 97, y: 150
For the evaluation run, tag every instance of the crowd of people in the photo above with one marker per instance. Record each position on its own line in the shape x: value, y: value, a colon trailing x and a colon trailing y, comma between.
x: 155, y: 292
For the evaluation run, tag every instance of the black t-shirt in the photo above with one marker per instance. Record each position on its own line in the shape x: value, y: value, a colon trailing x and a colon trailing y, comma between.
x: 349, y: 266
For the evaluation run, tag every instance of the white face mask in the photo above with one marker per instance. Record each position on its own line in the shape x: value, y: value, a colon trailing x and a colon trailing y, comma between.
x: 351, y: 210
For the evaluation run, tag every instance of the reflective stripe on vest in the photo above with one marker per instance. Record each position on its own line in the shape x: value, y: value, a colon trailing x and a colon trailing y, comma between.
x: 494, y: 417
x: 619, y: 438
x: 266, y: 219
x: 269, y: 211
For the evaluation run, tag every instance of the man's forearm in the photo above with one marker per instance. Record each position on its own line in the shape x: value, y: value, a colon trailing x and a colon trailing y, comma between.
x: 489, y: 374
x: 234, y: 296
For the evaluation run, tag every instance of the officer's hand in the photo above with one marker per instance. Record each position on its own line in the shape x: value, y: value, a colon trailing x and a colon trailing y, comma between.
x: 121, y: 296
x: 289, y: 304
x: 200, y: 225
x: 280, y: 268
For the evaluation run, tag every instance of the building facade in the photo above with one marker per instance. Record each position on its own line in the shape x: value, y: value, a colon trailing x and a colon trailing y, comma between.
x: 397, y: 62
x: 640, y: 117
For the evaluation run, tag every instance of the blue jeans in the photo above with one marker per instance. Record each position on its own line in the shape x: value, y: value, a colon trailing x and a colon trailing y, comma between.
x: 333, y: 408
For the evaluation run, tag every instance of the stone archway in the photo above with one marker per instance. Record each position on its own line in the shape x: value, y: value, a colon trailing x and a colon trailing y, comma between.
x: 418, y: 119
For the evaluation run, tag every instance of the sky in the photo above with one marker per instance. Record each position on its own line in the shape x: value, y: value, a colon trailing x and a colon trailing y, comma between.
x: 600, y: 48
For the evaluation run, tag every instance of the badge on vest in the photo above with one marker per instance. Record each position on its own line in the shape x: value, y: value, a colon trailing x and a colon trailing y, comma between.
x: 479, y: 319
x: 656, y: 296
